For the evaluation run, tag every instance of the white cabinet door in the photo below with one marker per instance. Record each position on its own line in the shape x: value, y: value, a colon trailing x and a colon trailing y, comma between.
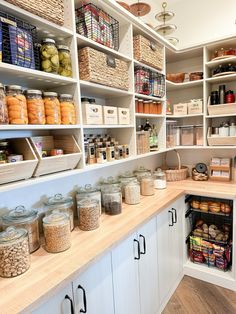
x: 125, y: 277
x: 148, y: 269
x: 61, y: 303
x: 93, y: 291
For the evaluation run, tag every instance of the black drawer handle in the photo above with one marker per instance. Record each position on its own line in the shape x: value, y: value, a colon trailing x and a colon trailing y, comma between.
x: 172, y: 218
x: 144, y: 244
x: 136, y: 241
x: 67, y: 297
x: 175, y: 215
x: 84, y: 310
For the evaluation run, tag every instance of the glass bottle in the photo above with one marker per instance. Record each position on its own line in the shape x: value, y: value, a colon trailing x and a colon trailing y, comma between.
x: 68, y: 114
x: 126, y: 178
x: 147, y: 185
x: 141, y: 172
x: 132, y: 193
x: 52, y: 108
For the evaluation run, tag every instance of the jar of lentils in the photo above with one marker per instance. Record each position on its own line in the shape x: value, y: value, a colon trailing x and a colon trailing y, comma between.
x: 89, y: 214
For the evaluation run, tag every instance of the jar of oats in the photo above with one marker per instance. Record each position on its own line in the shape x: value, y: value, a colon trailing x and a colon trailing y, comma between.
x: 56, y: 229
x: 132, y: 193
x: 14, y: 252
x: 89, y: 214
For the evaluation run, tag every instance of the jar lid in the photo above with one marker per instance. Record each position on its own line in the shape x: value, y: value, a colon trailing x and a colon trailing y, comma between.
x: 87, y: 202
x: 85, y: 99
x: 20, y: 214
x: 59, y: 201
x: 34, y: 91
x: 46, y: 94
x: 56, y: 217
x: 110, y: 180
x: 48, y: 40
x: 11, y: 234
x: 127, y: 174
x: 66, y: 96
x: 62, y: 47
x: 13, y: 87
x: 141, y: 169
x: 159, y: 172
x: 88, y: 188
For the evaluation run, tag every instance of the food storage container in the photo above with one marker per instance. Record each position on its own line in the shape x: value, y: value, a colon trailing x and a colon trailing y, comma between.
x: 159, y: 177
x: 21, y: 217
x: 187, y: 135
x: 180, y: 109
x: 142, y: 140
x: 141, y: 172
x: 126, y: 178
x: 110, y: 153
x: 118, y: 152
x: 65, y: 67
x: 170, y: 133
x: 199, y: 134
x: 112, y: 200
x: 92, y: 112
x: 88, y: 191
x: 140, y: 106
x: 132, y: 193
x: 57, y: 234
x: 35, y: 107
x: 123, y: 116
x: 14, y: 252
x: 68, y: 114
x: 110, y: 115
x: 62, y: 204
x: 3, y: 106
x: 109, y: 182
x: 49, y: 56
x: 147, y: 185
x: 52, y: 108
x: 88, y: 213
x: 16, y: 105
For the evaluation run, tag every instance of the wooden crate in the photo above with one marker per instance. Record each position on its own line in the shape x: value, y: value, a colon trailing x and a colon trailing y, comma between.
x: 221, y: 109
x: 220, y: 140
x: 19, y: 170
x: 180, y: 109
x: 51, y: 164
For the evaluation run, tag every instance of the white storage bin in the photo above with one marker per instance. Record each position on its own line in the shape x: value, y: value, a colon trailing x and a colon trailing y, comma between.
x: 92, y: 114
x: 123, y: 116
x: 195, y: 106
x: 180, y: 109
x: 110, y: 115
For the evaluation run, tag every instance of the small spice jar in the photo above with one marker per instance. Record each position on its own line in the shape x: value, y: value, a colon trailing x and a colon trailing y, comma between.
x: 132, y: 193
x: 56, y: 228
x: 141, y: 172
x: 89, y: 192
x: 159, y: 179
x: 118, y: 151
x: 62, y: 204
x: 65, y: 67
x: 21, y: 217
x: 49, y: 56
x: 68, y: 114
x: 112, y: 200
x: 110, y: 153
x: 126, y: 178
x: 88, y: 213
x: 16, y: 105
x: 125, y: 151
x: 3, y: 106
x: 147, y: 185
x: 35, y: 107
x: 14, y: 252
x: 52, y: 108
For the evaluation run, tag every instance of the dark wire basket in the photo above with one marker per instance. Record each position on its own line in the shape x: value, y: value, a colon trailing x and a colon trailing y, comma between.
x: 148, y: 82
x: 97, y: 25
x: 19, y: 42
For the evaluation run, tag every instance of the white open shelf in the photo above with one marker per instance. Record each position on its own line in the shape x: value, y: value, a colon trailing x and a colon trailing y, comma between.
x: 176, y: 86
x: 223, y: 78
x: 148, y: 115
x: 89, y: 88
x: 213, y: 64
x: 39, y: 127
x: 149, y: 97
x: 185, y: 116
x: 220, y: 116
x: 108, y: 126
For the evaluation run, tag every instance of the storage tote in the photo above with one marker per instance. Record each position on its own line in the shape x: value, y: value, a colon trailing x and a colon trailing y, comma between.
x: 148, y: 52
x: 98, y: 67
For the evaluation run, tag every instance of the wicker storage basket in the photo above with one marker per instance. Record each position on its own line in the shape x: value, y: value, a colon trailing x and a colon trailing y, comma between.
x: 97, y: 67
x: 175, y: 173
x: 148, y: 52
x: 51, y: 10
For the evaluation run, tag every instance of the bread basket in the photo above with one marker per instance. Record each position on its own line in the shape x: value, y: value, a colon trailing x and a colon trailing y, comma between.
x: 176, y: 77
x: 177, y: 173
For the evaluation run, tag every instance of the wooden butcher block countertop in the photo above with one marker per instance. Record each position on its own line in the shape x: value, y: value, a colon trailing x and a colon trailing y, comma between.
x: 50, y: 272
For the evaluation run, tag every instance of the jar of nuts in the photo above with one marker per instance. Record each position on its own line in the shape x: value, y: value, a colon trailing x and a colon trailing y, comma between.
x: 21, y: 217
x: 56, y: 229
x: 112, y: 200
x: 89, y: 192
x: 14, y: 252
x: 89, y: 214
x: 63, y: 204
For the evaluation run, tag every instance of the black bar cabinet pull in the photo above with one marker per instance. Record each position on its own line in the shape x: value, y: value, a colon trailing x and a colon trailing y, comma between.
x: 138, y: 249
x: 144, y: 244
x: 67, y: 297
x: 84, y: 310
x: 172, y: 218
x: 175, y: 215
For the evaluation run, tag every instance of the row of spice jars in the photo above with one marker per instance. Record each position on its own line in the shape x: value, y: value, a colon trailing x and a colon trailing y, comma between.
x: 35, y: 107
x: 147, y: 106
x: 55, y: 59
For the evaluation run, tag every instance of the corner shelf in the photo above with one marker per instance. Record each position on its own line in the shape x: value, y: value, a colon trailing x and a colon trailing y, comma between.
x: 223, y: 78
x: 212, y: 64
x: 177, y: 86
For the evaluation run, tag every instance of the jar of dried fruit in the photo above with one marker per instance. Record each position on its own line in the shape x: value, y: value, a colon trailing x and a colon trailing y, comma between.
x: 68, y: 114
x: 35, y: 107
x: 16, y: 105
x: 52, y: 108
x: 3, y: 106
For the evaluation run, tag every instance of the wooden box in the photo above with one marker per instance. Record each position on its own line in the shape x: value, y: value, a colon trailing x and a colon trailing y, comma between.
x: 92, y: 114
x: 221, y: 109
x: 148, y: 52
x: 19, y: 170
x: 195, y: 107
x: 223, y: 170
x: 123, y: 116
x: 51, y: 164
x: 220, y: 140
x: 180, y: 109
x: 110, y: 115
x: 97, y: 67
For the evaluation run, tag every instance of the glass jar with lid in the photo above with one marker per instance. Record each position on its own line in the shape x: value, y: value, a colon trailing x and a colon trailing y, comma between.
x: 49, y: 56
x: 4, y: 151
x: 142, y: 171
x: 57, y: 234
x: 132, y: 193
x: 109, y: 182
x: 63, y: 204
x: 112, y: 200
x: 52, y: 108
x: 89, y: 214
x: 21, y: 217
x: 126, y: 178
x: 16, y: 105
x: 89, y: 192
x: 159, y: 179
x: 3, y: 106
x: 68, y: 114
x: 147, y: 185
x: 14, y: 252
x: 65, y: 67
x: 35, y: 107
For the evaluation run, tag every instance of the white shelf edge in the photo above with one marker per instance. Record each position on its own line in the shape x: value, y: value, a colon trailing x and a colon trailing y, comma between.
x: 107, y: 126
x: 183, y: 85
x: 221, y: 78
x: 24, y: 127
x: 212, y: 64
x: 185, y: 116
x: 136, y: 62
x: 104, y: 88
x: 149, y: 97
x: 147, y: 115
x: 220, y: 116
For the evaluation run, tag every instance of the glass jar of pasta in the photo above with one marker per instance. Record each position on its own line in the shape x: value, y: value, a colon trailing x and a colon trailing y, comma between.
x: 35, y: 107
x: 52, y: 108
x: 68, y: 115
x: 16, y: 105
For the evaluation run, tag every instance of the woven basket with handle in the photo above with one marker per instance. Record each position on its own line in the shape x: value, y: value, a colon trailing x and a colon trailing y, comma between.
x: 175, y: 173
